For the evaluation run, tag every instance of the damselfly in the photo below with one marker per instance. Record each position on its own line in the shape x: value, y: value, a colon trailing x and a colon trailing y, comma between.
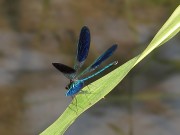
x: 76, y: 84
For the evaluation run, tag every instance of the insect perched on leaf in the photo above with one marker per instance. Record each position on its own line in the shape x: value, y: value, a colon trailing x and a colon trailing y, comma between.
x: 76, y: 84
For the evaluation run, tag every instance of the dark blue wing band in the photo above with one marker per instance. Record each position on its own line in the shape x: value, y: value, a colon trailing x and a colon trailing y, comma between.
x: 103, y: 57
x: 83, y: 44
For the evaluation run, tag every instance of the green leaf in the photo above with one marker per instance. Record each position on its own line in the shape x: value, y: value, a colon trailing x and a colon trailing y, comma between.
x: 100, y: 88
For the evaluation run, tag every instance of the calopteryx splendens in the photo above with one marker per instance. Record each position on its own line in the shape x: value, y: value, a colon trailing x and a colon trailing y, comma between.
x: 77, y: 84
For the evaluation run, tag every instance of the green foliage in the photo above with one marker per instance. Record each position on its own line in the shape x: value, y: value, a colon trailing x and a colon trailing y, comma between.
x: 100, y: 88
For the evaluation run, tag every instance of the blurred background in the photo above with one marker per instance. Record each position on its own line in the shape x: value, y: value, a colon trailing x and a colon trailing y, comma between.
x: 35, y: 33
